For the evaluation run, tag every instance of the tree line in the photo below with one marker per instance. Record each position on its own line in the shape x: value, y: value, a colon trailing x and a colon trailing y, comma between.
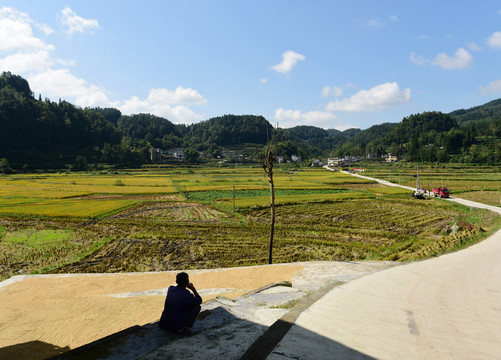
x: 432, y: 137
x: 38, y: 133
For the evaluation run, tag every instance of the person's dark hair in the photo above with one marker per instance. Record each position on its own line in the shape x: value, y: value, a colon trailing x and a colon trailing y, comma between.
x: 182, y: 279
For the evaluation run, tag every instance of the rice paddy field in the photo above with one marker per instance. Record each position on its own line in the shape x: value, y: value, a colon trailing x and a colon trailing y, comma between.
x: 166, y: 218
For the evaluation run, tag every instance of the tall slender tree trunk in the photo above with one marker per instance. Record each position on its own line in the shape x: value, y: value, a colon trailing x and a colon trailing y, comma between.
x: 267, y: 164
x: 272, y: 220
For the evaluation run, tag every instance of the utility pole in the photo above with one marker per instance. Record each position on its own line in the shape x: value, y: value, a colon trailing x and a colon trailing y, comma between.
x: 417, y: 180
x: 233, y: 197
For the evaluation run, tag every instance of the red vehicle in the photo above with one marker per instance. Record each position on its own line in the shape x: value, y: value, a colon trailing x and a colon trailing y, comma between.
x: 440, y: 192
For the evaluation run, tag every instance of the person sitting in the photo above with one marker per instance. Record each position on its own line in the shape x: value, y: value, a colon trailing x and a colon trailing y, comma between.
x: 181, y: 306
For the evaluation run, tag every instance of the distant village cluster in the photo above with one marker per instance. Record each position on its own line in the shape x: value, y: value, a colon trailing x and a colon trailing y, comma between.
x: 348, y: 160
x: 160, y: 155
x: 178, y: 155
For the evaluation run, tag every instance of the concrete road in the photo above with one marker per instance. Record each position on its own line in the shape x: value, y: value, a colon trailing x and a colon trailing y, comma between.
x: 443, y: 308
x: 458, y: 200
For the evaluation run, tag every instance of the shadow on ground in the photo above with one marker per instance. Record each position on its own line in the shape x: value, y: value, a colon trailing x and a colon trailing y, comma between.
x: 28, y: 349
x: 218, y: 335
x: 251, y: 326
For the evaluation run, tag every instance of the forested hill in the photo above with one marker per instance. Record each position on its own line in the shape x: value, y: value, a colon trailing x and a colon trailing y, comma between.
x: 40, y: 133
x: 230, y: 130
x: 491, y: 110
x: 432, y: 137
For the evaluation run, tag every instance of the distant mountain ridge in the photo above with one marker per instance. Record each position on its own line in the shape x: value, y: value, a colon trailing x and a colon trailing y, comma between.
x: 38, y: 133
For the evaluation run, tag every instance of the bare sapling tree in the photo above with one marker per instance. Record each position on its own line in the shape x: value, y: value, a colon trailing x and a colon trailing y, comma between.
x: 267, y: 163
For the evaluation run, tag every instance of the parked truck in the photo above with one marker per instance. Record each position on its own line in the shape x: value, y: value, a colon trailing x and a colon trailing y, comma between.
x: 440, y: 192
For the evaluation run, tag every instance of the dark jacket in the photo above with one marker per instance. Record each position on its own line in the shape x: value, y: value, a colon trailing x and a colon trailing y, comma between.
x: 177, y: 308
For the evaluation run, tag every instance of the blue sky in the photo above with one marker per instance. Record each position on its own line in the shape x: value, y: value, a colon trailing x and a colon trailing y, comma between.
x: 331, y: 64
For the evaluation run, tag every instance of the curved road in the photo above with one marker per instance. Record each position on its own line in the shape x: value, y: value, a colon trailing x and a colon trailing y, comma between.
x: 443, y: 308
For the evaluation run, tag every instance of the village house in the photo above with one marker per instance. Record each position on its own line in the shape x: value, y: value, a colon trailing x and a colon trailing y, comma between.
x: 390, y: 158
x: 316, y: 163
x: 228, y: 154
x: 160, y: 155
x: 333, y: 162
x: 179, y: 154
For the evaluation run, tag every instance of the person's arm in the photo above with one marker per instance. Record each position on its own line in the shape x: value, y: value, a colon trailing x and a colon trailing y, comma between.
x: 192, y: 288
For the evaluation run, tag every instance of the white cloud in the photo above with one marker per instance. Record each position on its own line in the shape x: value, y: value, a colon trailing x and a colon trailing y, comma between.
x: 16, y: 32
x: 45, y: 28
x: 31, y: 57
x: 75, y: 23
x: 65, y: 62
x: 379, y: 23
x: 24, y: 52
x: 186, y: 96
x: 289, y: 60
x: 27, y: 62
x: 183, y: 115
x: 263, y: 80
x: 377, y: 98
x: 291, y: 118
x: 160, y: 102
x: 474, y: 47
x: 493, y: 87
x: 462, y: 59
x: 61, y: 83
x: 417, y: 59
x: 494, y: 41
x: 328, y: 91
x: 342, y: 126
x: 423, y: 37
x: 376, y: 23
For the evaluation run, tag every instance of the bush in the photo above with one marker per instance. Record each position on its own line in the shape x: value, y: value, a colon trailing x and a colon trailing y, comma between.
x: 5, y: 166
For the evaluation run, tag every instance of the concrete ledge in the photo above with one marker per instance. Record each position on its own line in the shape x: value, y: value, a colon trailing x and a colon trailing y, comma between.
x: 265, y: 344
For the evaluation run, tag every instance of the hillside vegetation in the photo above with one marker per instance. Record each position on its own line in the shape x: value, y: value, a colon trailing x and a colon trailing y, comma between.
x: 43, y: 134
